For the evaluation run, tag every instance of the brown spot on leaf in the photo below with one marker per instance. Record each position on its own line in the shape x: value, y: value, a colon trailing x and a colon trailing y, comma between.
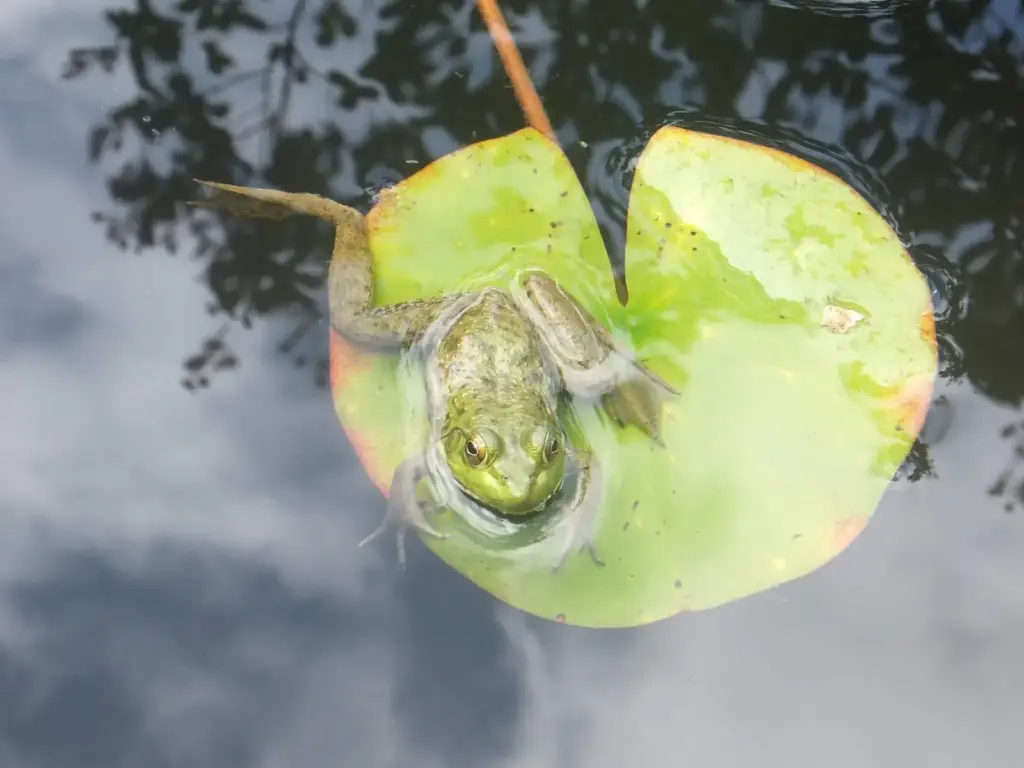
x: 560, y: 618
x: 927, y: 327
x: 911, y: 402
x: 843, y: 533
x: 679, y: 584
x: 347, y: 360
x: 386, y: 205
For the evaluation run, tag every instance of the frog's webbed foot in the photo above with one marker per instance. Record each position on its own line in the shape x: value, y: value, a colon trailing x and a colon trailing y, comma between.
x: 582, y: 510
x: 405, y: 508
x: 638, y: 402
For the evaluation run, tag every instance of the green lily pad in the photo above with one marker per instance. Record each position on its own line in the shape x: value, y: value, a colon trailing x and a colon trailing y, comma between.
x: 767, y: 290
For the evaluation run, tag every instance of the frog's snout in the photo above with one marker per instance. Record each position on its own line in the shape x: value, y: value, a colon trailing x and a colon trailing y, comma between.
x: 527, y: 494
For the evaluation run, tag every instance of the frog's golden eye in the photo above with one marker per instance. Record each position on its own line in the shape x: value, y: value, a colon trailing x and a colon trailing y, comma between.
x: 476, y: 450
x: 552, y: 446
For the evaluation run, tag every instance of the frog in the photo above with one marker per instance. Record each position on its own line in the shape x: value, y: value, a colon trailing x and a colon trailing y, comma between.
x: 499, y: 366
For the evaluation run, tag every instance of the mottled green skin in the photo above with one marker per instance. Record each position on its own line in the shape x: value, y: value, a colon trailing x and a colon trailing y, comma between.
x: 497, y: 365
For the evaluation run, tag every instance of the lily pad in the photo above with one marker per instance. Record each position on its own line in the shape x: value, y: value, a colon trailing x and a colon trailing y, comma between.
x: 772, y: 294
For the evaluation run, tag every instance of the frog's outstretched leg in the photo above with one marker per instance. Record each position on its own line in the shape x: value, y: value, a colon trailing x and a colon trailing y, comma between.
x: 582, y: 509
x: 405, y: 509
x: 592, y: 361
x: 350, y: 281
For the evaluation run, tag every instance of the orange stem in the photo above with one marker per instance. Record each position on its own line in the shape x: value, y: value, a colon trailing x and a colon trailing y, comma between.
x: 526, y: 94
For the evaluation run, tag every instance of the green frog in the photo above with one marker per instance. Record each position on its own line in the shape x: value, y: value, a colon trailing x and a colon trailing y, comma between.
x: 498, y: 365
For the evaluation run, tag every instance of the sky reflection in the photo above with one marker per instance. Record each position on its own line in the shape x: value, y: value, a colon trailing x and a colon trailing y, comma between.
x: 179, y: 582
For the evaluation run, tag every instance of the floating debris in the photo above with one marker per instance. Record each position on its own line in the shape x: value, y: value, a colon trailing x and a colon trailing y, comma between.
x: 839, y: 319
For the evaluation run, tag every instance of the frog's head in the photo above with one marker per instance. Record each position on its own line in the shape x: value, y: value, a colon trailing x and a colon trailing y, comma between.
x: 511, y: 465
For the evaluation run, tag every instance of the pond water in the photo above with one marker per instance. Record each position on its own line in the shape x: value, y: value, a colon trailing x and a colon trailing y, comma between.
x: 179, y: 578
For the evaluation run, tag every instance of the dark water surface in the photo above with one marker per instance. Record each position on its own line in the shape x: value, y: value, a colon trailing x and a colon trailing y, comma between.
x: 179, y: 583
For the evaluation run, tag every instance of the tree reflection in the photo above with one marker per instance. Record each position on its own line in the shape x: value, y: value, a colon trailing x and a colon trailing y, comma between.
x: 341, y: 97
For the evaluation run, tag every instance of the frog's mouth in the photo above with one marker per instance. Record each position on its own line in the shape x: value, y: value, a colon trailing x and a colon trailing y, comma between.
x: 511, y: 517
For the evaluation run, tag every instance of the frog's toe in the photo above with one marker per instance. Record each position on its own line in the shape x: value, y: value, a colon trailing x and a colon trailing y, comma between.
x: 401, y: 518
x: 375, y: 533
x: 419, y: 522
x: 591, y: 549
x: 583, y: 538
x: 641, y: 370
x: 399, y: 536
x: 655, y: 379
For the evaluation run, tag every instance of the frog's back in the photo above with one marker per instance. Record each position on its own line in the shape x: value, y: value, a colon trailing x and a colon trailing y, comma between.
x: 493, y: 347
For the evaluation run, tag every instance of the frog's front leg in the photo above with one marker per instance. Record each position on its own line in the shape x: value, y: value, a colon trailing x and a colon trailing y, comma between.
x: 591, y: 360
x: 583, y: 507
x: 350, y: 279
x: 405, y: 508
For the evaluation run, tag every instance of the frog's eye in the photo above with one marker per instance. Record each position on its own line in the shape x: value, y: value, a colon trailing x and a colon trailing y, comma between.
x: 552, y: 446
x: 476, y: 450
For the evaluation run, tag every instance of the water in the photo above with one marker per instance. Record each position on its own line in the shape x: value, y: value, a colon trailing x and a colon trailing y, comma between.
x: 179, y: 582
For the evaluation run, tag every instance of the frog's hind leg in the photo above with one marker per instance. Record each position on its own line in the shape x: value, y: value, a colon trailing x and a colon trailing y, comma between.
x: 350, y: 279
x: 405, y: 508
x: 593, y: 363
x: 263, y: 203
